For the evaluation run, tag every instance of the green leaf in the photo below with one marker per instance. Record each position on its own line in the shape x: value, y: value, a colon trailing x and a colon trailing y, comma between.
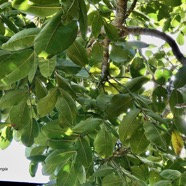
x: 21, y: 40
x: 40, y: 89
x: 180, y: 38
x: 137, y: 67
x: 111, y: 31
x: 53, y: 130
x: 135, y: 84
x: 176, y: 100
x: 97, y: 23
x: 40, y: 8
x: 97, y: 52
x: 88, y: 125
x: 33, y: 166
x: 46, y: 104
x: 139, y: 142
x: 78, y: 54
x: 103, y: 171
x: 136, y: 44
x: 20, y: 115
x: 170, y: 174
x: 29, y: 133
x: 163, y: 183
x: 83, y: 18
x: 16, y: 66
x: 103, y: 143
x: 112, y: 180
x: 180, y: 80
x: 140, y: 172
x: 47, y: 66
x: 55, y: 37
x: 162, y: 76
x: 173, y: 2
x: 67, y: 176
x: 119, y: 103
x: 84, y: 152
x: 160, y: 98
x: 59, y: 156
x: 154, y: 135
x: 129, y: 125
x: 119, y: 54
x: 12, y: 97
x: 5, y: 137
x: 67, y: 110
x: 33, y: 70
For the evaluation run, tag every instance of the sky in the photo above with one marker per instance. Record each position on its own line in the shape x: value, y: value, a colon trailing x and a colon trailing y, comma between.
x: 13, y: 160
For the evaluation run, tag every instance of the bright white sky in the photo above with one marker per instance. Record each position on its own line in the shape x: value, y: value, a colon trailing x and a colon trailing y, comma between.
x: 13, y: 158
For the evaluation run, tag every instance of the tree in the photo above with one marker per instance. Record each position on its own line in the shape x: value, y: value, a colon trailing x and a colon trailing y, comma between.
x: 72, y: 87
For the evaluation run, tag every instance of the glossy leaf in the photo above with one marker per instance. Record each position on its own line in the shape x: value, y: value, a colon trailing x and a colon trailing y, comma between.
x: 16, y: 67
x: 154, y: 135
x: 55, y: 37
x: 38, y: 8
x: 136, y: 44
x: 22, y: 40
x: 177, y: 142
x: 77, y: 53
x: 47, y: 103
x: 33, y: 168
x: 103, y: 143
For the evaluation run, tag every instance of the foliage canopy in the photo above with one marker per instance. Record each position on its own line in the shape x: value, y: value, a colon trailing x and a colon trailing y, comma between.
x: 74, y: 89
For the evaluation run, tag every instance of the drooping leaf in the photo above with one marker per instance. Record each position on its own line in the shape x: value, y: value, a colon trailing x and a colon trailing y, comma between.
x: 154, y: 135
x: 40, y: 89
x: 103, y: 143
x: 21, y: 40
x: 129, y: 125
x: 180, y: 38
x: 29, y: 133
x: 33, y: 166
x: 83, y: 18
x: 177, y: 142
x: 97, y: 52
x: 87, y: 125
x: 84, y: 152
x: 5, y: 137
x: 16, y: 66
x: 78, y: 54
x: 55, y: 37
x: 46, y: 104
x: 37, y: 8
x: 67, y: 110
x: 97, y: 23
x: 162, y: 76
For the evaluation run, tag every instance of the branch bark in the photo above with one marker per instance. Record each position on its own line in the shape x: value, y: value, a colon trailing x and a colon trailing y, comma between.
x: 156, y: 33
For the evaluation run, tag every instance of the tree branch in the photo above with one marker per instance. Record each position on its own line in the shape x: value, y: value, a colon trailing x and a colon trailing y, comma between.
x: 156, y: 33
x: 130, y: 9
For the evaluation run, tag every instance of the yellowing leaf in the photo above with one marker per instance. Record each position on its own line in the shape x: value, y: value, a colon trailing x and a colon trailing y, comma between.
x: 177, y: 142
